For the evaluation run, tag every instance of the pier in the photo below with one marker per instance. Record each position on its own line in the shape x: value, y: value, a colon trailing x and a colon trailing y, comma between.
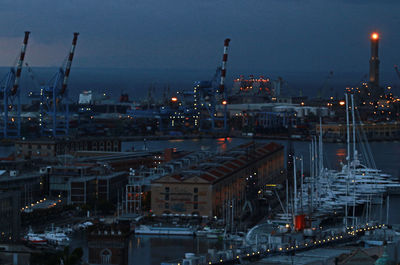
x: 256, y: 253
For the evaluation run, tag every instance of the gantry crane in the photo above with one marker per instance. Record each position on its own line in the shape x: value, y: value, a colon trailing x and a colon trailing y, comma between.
x: 10, y: 93
x: 209, y: 94
x: 54, y: 105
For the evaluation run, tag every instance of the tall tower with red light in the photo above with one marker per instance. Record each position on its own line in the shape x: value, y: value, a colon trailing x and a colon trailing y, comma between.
x: 374, y: 65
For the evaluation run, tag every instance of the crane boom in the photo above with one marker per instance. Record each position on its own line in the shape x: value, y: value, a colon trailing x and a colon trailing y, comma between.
x: 19, y: 64
x: 396, y: 68
x: 69, y: 63
x: 223, y: 67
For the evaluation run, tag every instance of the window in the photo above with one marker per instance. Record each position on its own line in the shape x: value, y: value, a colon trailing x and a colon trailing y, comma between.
x: 167, y: 196
x: 166, y: 205
x: 196, y: 190
x: 195, y: 198
x: 167, y: 189
x: 196, y: 206
x: 105, y: 256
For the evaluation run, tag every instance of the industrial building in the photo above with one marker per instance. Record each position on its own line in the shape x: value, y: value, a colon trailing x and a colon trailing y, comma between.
x: 85, y: 183
x: 210, y: 185
x: 29, y: 185
x: 373, y: 131
x: 253, y: 89
x: 49, y: 148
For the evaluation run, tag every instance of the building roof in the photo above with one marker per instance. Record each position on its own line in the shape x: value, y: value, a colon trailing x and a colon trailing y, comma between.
x: 218, y: 166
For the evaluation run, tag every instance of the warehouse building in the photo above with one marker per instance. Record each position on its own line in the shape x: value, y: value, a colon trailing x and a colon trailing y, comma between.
x: 218, y: 182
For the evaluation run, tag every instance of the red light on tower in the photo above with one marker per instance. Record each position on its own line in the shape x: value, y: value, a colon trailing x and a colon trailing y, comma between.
x: 374, y: 36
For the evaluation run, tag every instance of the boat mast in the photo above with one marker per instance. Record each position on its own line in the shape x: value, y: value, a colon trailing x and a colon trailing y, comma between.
x: 311, y: 158
x: 354, y: 157
x: 295, y: 185
x: 287, y: 199
x: 354, y: 127
x: 321, y: 156
x: 311, y: 183
x: 315, y: 157
x: 348, y: 154
x: 316, y: 186
x: 301, y: 182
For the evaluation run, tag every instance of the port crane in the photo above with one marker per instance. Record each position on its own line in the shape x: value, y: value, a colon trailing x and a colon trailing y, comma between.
x: 54, y: 101
x: 10, y: 94
x: 209, y: 94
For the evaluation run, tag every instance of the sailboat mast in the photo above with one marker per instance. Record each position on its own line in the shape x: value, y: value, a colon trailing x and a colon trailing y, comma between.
x: 354, y: 127
x: 316, y: 157
x: 287, y: 199
x: 321, y: 156
x: 348, y: 131
x: 311, y: 185
x: 295, y: 185
x: 354, y: 156
x: 301, y: 179
x: 312, y: 158
x: 348, y: 154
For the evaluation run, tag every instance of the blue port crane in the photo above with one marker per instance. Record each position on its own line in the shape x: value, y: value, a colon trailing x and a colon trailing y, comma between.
x: 54, y: 101
x: 10, y: 93
x: 209, y: 94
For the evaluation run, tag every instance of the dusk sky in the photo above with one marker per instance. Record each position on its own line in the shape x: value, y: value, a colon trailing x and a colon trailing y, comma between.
x: 267, y: 35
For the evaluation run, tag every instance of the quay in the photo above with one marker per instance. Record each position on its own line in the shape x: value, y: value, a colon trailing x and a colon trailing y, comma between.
x: 255, y: 253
